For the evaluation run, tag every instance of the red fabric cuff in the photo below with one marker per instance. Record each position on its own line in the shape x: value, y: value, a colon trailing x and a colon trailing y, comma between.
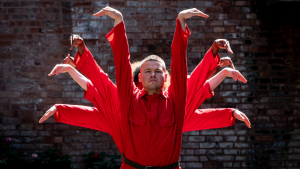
x: 56, y: 114
x: 216, y: 59
x: 111, y: 35
x: 80, y: 60
x: 90, y: 92
x: 187, y: 32
x: 208, y: 92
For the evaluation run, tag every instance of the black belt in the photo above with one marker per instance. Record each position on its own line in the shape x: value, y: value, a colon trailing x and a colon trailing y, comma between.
x: 138, y: 166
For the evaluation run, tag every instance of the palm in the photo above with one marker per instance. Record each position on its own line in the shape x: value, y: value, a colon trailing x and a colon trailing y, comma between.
x: 223, y: 44
x: 60, y: 68
x: 225, y: 61
x: 241, y: 116
x: 48, y: 114
x: 185, y: 14
x: 108, y: 11
x: 236, y: 75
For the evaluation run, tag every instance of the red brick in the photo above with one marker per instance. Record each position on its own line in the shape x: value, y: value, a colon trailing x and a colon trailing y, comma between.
x: 213, y: 35
x: 82, y: 4
x: 221, y: 3
x: 241, y: 3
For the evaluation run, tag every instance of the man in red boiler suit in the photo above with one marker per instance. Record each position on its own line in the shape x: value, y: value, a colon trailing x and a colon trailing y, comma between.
x: 151, y: 118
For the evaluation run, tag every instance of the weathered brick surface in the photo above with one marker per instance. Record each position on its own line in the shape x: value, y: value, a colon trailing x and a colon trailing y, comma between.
x: 34, y: 37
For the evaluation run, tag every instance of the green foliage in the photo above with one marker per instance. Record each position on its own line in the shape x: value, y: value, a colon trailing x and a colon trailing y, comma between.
x: 8, y: 156
x: 51, y: 156
x: 97, y: 161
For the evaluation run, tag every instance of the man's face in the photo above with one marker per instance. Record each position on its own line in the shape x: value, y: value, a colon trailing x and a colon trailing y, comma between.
x: 152, y: 76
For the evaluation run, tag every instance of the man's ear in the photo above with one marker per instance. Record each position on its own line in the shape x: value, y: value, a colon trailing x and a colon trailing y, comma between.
x: 140, y: 79
x: 166, y: 77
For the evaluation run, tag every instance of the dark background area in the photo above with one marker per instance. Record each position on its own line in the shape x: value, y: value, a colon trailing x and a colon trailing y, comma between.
x: 264, y: 36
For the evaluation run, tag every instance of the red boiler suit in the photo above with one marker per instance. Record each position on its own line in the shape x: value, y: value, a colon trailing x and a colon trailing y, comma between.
x: 107, y: 124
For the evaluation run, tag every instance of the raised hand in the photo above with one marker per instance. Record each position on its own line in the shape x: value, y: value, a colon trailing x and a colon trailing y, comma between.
x: 223, y: 44
x: 49, y: 113
x: 188, y: 13
x: 241, y: 116
x: 60, y: 68
x: 225, y: 61
x: 236, y: 75
x: 75, y: 40
x: 111, y: 12
x: 69, y: 60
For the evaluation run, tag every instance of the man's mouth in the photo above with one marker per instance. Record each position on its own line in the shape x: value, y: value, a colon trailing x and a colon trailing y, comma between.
x: 152, y: 80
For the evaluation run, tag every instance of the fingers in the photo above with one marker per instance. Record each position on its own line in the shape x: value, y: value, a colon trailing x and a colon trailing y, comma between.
x: 100, y: 13
x: 49, y: 113
x: 246, y: 120
x: 232, y: 75
x: 45, y: 117
x: 53, y: 71
x: 240, y: 77
x: 231, y: 64
x: 228, y: 48
x: 196, y: 12
x: 58, y: 69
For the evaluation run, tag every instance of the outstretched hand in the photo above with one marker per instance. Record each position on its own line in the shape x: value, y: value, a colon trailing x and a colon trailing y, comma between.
x: 225, y: 61
x: 188, y: 13
x: 60, y: 68
x: 49, y: 113
x: 235, y: 74
x: 111, y: 12
x: 69, y: 60
x: 241, y: 116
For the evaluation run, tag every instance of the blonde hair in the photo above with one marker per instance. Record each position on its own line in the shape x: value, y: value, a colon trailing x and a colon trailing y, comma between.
x: 135, y: 66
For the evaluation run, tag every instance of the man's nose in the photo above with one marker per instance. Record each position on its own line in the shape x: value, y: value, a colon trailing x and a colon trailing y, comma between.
x: 153, y: 74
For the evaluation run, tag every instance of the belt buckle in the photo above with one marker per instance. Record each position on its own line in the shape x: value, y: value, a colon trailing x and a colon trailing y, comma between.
x: 148, y: 167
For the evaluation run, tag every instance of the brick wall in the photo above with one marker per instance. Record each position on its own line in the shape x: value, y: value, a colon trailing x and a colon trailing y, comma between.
x: 34, y: 38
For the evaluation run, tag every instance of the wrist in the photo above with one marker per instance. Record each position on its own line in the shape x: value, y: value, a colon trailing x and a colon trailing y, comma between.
x: 215, y: 49
x: 181, y: 18
x: 225, y: 72
x: 118, y: 20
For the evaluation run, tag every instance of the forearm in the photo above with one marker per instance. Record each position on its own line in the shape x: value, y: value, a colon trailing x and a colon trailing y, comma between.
x: 182, y: 22
x: 217, y: 79
x: 79, y: 78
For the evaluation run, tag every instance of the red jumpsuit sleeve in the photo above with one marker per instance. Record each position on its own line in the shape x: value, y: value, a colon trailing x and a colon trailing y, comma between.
x: 201, y: 73
x: 88, y: 66
x: 178, y: 85
x: 101, y: 119
x: 119, y: 44
x: 203, y: 119
x: 198, y: 91
x: 83, y: 116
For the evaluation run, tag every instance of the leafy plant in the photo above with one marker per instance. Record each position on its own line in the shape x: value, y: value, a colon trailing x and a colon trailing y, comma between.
x: 9, y: 156
x: 97, y: 161
x: 51, y: 156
